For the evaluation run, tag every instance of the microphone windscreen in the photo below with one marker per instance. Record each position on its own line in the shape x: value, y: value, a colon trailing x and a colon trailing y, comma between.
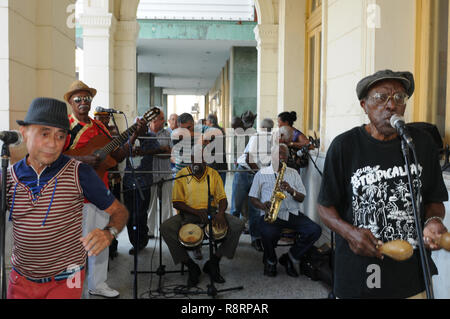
x: 395, y: 119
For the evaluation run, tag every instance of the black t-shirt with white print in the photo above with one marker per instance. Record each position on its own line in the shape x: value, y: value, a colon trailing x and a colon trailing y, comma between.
x: 366, y: 180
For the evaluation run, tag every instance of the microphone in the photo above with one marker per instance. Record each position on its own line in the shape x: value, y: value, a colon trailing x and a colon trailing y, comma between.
x: 101, y: 109
x: 11, y: 137
x: 303, y: 150
x: 398, y: 122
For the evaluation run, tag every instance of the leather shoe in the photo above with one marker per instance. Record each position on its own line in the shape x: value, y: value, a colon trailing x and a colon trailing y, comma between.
x: 212, y: 268
x: 194, y: 273
x: 257, y: 244
x: 131, y: 251
x: 270, y: 270
x: 289, y: 265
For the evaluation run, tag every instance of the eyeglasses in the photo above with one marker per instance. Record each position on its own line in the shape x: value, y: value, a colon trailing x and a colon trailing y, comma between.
x: 78, y: 99
x: 382, y: 99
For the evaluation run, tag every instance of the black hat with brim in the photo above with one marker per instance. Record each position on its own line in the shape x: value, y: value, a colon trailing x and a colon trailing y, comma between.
x: 405, y: 77
x: 47, y: 112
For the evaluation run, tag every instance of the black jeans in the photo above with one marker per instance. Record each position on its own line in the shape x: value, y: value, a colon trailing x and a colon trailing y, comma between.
x: 137, y: 209
x: 308, y: 230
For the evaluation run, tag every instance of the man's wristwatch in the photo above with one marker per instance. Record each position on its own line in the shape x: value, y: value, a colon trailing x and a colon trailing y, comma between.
x: 112, y: 230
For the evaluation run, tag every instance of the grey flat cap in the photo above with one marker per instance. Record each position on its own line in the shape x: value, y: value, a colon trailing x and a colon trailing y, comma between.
x: 405, y: 77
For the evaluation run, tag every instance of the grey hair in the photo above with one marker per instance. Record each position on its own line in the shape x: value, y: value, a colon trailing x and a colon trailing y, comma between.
x: 213, y: 119
x: 185, y: 118
x: 276, y: 147
x: 287, y: 133
x: 267, y: 124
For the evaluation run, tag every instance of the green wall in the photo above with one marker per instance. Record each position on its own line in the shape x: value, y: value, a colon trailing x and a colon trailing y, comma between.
x: 244, y: 66
x: 196, y: 30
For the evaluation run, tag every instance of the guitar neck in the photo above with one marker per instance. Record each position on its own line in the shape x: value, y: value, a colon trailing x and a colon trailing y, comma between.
x: 118, y: 141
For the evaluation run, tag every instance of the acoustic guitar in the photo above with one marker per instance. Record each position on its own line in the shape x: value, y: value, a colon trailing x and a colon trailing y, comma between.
x: 102, y: 145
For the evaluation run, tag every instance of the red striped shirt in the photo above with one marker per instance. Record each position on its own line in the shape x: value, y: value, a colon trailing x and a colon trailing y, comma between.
x: 45, y: 250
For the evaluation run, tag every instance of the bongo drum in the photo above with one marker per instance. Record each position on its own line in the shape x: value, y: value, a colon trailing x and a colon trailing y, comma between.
x: 190, y: 235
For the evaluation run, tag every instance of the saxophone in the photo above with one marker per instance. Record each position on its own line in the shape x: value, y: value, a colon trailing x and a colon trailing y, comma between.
x: 277, y: 198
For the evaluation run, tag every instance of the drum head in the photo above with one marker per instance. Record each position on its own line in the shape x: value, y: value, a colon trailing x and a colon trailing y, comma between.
x: 217, y: 233
x: 190, y: 235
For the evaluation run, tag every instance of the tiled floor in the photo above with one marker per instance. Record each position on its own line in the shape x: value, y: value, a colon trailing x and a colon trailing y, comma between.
x: 244, y: 270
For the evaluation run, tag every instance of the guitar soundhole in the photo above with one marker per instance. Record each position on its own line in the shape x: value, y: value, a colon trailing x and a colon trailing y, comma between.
x: 100, y: 154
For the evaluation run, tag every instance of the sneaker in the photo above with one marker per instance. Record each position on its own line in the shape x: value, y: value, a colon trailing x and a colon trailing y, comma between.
x: 103, y: 290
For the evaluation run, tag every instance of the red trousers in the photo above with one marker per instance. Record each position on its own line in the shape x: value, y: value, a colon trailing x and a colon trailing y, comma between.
x: 21, y: 288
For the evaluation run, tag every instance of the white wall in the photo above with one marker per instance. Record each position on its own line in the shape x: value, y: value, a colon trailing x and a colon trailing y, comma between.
x: 345, y: 66
x: 291, y: 57
x: 395, y: 39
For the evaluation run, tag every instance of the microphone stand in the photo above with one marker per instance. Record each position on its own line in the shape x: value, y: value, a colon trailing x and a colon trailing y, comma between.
x: 417, y: 219
x: 331, y: 295
x: 5, y: 154
x: 136, y: 187
x: 161, y: 271
x: 212, y: 291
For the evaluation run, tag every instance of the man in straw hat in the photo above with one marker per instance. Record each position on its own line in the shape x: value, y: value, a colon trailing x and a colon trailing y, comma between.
x: 83, y: 129
x: 45, y: 194
x: 364, y: 196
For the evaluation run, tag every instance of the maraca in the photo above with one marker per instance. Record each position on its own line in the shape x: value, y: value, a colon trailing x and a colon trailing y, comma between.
x: 444, y: 242
x: 397, y: 249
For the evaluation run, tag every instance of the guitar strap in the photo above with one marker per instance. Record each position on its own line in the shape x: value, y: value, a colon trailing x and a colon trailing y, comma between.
x: 101, y: 128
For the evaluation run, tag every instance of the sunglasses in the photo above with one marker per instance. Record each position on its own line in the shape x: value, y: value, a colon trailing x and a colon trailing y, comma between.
x: 382, y: 99
x: 78, y: 99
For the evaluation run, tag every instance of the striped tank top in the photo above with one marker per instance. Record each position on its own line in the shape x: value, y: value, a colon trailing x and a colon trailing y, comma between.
x: 47, y: 228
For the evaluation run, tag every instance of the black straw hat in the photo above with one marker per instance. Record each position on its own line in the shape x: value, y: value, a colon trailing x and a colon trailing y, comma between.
x: 47, y: 112
x: 405, y: 77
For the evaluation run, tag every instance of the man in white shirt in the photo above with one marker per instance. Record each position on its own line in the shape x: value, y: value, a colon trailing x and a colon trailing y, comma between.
x: 289, y: 215
x: 255, y: 156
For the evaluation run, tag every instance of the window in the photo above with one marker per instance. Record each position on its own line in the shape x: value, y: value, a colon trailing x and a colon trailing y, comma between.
x: 313, y: 67
x: 432, y: 70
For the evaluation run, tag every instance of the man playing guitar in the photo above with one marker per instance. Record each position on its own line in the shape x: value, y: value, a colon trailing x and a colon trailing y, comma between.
x: 83, y: 130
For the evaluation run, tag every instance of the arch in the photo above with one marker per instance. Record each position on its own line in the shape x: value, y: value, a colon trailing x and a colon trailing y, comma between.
x: 128, y: 10
x: 265, y: 11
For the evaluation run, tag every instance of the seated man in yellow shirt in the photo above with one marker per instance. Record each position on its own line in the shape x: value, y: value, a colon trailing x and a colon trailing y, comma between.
x: 190, y: 198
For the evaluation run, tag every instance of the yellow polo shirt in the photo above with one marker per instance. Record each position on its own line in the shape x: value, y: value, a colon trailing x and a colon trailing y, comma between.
x: 194, y: 191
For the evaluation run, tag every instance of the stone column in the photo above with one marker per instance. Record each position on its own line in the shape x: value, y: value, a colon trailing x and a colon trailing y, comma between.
x: 98, y: 47
x: 267, y: 90
x: 291, y: 57
x: 125, y: 69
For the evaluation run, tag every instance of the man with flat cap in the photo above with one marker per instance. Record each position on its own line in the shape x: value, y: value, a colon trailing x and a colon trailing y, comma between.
x: 83, y: 129
x: 365, y: 199
x: 45, y: 195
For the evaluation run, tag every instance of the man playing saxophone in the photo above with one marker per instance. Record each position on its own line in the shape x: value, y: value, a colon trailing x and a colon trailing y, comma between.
x: 274, y: 179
